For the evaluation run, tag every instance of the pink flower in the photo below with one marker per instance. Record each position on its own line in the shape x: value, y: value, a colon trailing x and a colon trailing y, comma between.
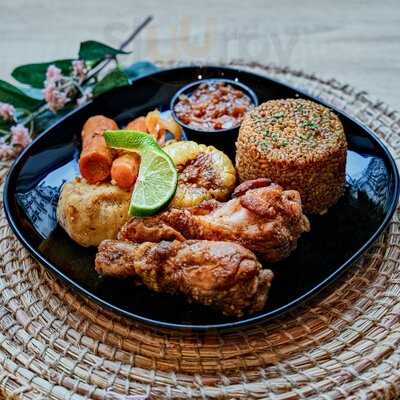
x: 20, y: 135
x: 79, y: 69
x: 6, y: 151
x: 54, y: 97
x: 53, y: 73
x: 7, y: 111
x: 87, y: 95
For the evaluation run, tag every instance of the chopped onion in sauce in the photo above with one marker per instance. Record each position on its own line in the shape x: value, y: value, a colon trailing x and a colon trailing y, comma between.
x: 213, y: 106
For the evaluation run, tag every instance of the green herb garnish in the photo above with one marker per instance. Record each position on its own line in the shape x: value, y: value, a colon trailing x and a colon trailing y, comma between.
x: 279, y: 114
x: 267, y: 133
x: 284, y: 143
x: 310, y: 124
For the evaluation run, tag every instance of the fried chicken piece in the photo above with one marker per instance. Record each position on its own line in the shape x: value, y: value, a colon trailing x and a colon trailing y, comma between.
x: 223, y: 275
x: 262, y: 217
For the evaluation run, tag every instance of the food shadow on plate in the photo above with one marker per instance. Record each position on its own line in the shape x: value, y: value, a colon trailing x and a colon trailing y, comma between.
x: 77, y: 263
x: 330, y: 242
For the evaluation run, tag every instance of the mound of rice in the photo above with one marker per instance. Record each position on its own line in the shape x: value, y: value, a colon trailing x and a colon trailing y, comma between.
x: 298, y: 144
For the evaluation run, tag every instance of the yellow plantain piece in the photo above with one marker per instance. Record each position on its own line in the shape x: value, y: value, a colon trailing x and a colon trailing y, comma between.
x: 204, y: 173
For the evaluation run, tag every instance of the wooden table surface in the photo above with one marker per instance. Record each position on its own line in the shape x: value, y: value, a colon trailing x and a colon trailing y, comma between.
x: 357, y: 41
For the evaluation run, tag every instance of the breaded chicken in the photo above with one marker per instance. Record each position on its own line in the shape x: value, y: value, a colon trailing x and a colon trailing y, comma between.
x: 223, y: 275
x: 262, y: 217
x: 92, y: 213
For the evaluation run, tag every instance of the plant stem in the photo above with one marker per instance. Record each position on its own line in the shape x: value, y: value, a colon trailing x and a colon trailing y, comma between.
x: 28, y: 119
x: 136, y: 32
x: 125, y: 43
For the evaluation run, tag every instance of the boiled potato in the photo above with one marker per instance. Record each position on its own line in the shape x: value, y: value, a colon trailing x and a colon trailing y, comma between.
x: 92, y: 213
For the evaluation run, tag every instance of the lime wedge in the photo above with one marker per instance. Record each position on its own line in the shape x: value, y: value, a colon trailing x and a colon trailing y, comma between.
x: 157, y: 180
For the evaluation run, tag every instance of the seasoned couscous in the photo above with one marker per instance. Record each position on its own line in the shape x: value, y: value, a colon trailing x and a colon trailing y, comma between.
x: 298, y: 144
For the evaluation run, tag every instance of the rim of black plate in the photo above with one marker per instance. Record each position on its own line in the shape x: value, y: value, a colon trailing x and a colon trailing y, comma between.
x: 17, y: 229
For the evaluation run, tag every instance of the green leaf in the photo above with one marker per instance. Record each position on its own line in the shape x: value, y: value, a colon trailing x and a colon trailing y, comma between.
x: 11, y: 94
x: 92, y: 50
x: 35, y: 93
x: 90, y: 64
x: 114, y: 79
x: 35, y: 74
x: 140, y: 68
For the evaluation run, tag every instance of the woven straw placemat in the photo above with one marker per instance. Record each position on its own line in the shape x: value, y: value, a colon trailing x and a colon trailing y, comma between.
x: 344, y: 344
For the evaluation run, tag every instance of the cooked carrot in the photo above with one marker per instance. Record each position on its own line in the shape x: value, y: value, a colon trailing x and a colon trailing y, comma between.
x: 171, y: 126
x: 96, y: 159
x: 138, y: 124
x: 125, y: 169
x: 154, y: 125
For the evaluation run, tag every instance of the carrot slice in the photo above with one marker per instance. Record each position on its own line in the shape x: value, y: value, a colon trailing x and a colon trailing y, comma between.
x: 154, y: 124
x: 125, y: 169
x: 138, y: 124
x: 96, y: 158
x: 171, y: 126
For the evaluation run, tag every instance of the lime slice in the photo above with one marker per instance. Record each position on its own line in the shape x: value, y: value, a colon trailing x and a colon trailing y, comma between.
x: 157, y: 180
x: 129, y: 140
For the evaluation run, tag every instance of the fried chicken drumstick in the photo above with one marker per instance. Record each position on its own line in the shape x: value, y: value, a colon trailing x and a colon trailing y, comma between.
x: 262, y: 217
x: 223, y: 275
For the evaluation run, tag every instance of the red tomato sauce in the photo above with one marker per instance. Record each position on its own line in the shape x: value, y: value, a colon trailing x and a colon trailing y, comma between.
x: 213, y: 106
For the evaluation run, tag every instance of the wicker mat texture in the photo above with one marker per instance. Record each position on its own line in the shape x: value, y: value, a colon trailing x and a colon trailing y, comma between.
x: 344, y: 344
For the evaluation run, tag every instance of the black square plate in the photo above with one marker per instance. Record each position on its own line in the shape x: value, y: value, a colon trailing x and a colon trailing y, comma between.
x: 336, y: 240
